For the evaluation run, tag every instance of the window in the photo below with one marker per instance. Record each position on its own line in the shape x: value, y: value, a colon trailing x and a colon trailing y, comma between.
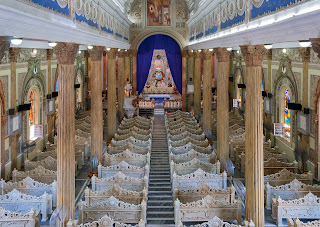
x: 33, y: 114
x: 286, y: 115
x: 32, y: 100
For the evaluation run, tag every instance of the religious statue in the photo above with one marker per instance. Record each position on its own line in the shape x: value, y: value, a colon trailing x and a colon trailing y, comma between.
x: 128, y: 89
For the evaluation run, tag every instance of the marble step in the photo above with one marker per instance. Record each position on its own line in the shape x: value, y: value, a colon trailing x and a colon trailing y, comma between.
x: 160, y: 221
x: 159, y: 188
x: 157, y: 183
x: 160, y: 225
x: 160, y: 193
x: 160, y: 172
x: 160, y: 177
x: 159, y: 208
x: 159, y: 166
x: 160, y: 214
x: 158, y: 203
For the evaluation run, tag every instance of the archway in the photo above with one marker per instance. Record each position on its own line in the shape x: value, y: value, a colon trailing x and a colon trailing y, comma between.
x: 144, y: 58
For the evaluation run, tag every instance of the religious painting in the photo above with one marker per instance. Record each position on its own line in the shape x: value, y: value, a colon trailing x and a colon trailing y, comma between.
x: 158, y: 13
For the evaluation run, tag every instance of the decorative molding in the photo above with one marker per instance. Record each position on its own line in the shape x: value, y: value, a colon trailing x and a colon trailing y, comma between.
x: 112, y: 53
x: 207, y: 54
x: 4, y: 46
x: 66, y: 52
x: 223, y: 55
x: 13, y: 54
x: 305, y: 53
x: 96, y: 53
x: 253, y: 54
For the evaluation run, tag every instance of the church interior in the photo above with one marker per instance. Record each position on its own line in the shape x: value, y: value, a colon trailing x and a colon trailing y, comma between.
x: 160, y: 113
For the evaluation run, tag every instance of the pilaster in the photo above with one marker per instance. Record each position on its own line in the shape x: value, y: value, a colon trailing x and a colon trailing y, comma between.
x: 197, y: 83
x: 112, y: 95
x: 184, y: 54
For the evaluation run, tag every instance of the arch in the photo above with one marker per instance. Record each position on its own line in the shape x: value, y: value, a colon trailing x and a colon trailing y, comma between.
x: 3, y: 120
x: 34, y: 80
x: 144, y: 59
x: 149, y: 32
x: 285, y: 80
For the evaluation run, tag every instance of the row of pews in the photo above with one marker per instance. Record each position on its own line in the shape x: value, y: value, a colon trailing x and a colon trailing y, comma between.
x: 118, y: 193
x: 288, y: 194
x: 31, y: 196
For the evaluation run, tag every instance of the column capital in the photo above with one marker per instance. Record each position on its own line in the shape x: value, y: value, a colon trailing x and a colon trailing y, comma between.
x: 133, y: 53
x: 305, y: 53
x: 190, y: 53
x: 269, y: 54
x: 197, y: 53
x: 4, y: 46
x: 96, y: 53
x: 207, y: 54
x: 121, y: 53
x: 184, y: 53
x: 13, y: 54
x: 223, y: 55
x: 66, y: 52
x: 86, y: 54
x: 316, y: 46
x: 49, y: 54
x: 112, y: 53
x: 253, y: 54
x: 127, y: 53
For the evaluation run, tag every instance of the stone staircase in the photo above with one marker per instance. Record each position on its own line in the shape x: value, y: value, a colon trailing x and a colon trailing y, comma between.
x: 158, y: 111
x: 160, y: 200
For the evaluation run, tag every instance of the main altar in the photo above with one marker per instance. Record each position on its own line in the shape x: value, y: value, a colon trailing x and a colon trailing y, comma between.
x: 159, y: 87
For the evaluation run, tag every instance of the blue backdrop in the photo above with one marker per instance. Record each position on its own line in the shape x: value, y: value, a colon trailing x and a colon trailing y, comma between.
x: 144, y: 58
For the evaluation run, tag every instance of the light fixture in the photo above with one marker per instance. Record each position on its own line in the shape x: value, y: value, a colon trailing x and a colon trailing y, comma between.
x: 304, y: 43
x: 90, y: 47
x: 284, y: 50
x: 199, y: 51
x: 52, y: 44
x: 268, y: 46
x: 229, y: 49
x: 108, y: 48
x: 16, y: 41
x: 238, y: 51
x: 34, y: 51
x: 125, y: 50
x: 79, y: 52
x: 191, y: 51
x: 119, y: 50
x: 211, y: 49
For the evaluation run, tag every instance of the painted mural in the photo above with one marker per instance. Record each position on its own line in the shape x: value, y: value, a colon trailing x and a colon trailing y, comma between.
x: 158, y: 13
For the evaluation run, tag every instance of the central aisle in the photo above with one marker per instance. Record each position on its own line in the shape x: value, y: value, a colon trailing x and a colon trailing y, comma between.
x: 160, y: 200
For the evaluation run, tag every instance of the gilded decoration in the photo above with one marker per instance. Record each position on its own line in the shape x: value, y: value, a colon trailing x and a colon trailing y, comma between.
x: 135, y: 12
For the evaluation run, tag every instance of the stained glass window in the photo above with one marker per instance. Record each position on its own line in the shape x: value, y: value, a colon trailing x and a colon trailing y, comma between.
x: 32, y: 99
x: 287, y: 114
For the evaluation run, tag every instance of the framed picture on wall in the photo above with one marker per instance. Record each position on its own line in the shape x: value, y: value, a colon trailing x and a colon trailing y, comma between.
x: 14, y: 124
x: 303, y: 122
x: 158, y: 13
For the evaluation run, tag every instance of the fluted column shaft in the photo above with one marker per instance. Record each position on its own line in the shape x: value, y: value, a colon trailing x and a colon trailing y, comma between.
x: 13, y: 54
x: 96, y: 102
x: 316, y: 48
x: 223, y: 56
x: 197, y: 83
x: 66, y: 54
x: 127, y: 66
x: 254, y: 172
x: 4, y: 46
x: 49, y: 91
x: 112, y: 95
x: 134, y: 71
x: 190, y: 78
x: 269, y: 90
x: 121, y: 83
x: 207, y: 94
x: 184, y: 54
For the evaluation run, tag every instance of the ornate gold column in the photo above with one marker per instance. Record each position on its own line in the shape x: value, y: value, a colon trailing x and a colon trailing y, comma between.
x: 96, y: 102
x: 305, y: 54
x: 207, y: 94
x: 49, y: 91
x: 190, y: 78
x: 66, y: 54
x: 13, y: 54
x: 4, y: 46
x: 316, y: 48
x: 254, y: 174
x: 133, y: 54
x: 184, y: 54
x: 223, y: 56
x: 197, y: 83
x: 112, y: 95
x: 121, y: 83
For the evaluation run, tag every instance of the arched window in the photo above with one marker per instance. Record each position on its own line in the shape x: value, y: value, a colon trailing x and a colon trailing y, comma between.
x: 286, y: 113
x: 33, y: 112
